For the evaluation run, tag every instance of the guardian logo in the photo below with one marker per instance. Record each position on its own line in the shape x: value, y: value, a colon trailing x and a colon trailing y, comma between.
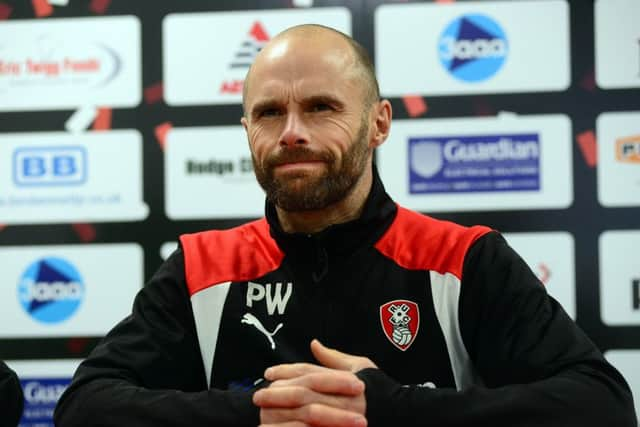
x: 244, y: 57
x: 51, y: 290
x: 473, y: 48
x: 453, y: 164
x: 45, y: 166
x: 40, y: 398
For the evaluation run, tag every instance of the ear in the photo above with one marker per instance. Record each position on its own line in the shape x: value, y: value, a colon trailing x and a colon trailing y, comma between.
x: 381, y: 111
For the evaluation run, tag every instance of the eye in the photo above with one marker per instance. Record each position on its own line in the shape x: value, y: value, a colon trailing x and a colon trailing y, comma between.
x: 321, y: 106
x: 269, y: 112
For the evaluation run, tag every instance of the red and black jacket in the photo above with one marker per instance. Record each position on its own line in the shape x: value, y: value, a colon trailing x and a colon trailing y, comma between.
x: 463, y: 332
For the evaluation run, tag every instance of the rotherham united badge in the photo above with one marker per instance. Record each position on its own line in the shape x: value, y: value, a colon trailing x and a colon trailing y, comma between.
x: 400, y: 321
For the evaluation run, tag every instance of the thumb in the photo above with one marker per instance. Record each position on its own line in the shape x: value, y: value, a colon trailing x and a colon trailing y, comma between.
x: 331, y: 358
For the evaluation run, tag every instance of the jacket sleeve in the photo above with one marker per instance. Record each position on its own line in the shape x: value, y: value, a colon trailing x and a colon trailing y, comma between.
x: 148, y: 370
x: 11, y: 398
x: 537, y: 366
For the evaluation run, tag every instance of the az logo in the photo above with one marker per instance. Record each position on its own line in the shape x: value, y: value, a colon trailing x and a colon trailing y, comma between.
x: 275, y: 299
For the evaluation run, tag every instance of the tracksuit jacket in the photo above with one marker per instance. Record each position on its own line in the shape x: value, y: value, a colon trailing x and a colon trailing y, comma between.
x: 462, y: 331
x: 11, y: 397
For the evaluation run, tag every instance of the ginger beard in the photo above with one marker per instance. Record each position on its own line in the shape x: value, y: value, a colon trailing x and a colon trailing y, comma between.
x: 312, y: 191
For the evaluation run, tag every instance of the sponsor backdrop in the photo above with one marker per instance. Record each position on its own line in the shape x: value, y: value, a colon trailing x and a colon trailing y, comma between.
x: 119, y: 130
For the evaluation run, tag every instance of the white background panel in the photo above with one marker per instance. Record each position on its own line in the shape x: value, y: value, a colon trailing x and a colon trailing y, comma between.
x: 112, y: 274
x: 617, y: 36
x: 627, y: 362
x: 234, y: 192
x: 193, y: 78
x: 618, y: 268
x: 407, y: 40
x: 111, y: 190
x: 618, y: 182
x: 70, y: 62
x: 556, y: 165
x: 551, y: 256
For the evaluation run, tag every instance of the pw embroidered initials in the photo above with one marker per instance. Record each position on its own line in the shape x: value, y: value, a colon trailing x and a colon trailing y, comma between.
x: 274, y: 297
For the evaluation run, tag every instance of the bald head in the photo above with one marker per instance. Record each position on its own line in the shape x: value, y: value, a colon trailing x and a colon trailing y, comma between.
x: 309, y: 36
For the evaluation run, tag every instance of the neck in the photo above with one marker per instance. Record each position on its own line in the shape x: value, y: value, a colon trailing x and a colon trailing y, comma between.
x: 345, y: 210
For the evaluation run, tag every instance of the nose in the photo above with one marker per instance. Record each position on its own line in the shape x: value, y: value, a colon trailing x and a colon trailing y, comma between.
x: 295, y: 131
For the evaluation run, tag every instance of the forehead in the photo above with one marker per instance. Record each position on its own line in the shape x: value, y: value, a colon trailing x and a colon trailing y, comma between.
x: 304, y: 66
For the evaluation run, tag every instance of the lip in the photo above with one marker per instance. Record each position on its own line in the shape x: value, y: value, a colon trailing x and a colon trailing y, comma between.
x: 311, y: 164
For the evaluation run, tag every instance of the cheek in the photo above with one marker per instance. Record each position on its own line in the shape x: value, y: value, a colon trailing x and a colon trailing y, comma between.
x: 336, y: 134
x: 258, y: 141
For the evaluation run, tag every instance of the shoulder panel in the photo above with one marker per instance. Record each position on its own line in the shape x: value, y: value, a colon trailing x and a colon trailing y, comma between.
x: 218, y: 256
x: 419, y: 242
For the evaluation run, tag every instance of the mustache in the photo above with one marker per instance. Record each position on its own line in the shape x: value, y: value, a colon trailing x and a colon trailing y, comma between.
x: 298, y: 154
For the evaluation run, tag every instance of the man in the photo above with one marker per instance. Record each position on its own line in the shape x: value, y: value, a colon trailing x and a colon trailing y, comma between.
x: 428, y: 322
x: 11, y: 399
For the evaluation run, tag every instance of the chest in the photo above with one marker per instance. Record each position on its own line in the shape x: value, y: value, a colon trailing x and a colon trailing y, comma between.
x: 374, y: 309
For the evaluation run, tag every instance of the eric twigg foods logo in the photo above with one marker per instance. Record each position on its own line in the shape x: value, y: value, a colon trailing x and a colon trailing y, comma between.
x: 58, y: 62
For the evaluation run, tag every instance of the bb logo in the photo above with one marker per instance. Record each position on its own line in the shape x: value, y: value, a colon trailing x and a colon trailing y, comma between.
x: 42, y: 166
x: 51, y: 290
x: 473, y: 48
x: 628, y: 149
x: 400, y: 321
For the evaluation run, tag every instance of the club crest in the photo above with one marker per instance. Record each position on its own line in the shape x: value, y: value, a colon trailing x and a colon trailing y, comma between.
x: 400, y: 321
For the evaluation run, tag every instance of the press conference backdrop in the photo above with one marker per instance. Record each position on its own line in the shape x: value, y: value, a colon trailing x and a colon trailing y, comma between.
x: 119, y: 130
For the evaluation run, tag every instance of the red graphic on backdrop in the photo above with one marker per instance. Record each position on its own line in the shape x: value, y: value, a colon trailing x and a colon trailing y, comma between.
x: 5, y: 11
x: 588, y: 146
x: 153, y: 93
x: 41, y: 8
x: 244, y: 57
x: 544, y: 273
x: 400, y: 320
x: 415, y: 105
x: 161, y: 132
x: 103, y: 119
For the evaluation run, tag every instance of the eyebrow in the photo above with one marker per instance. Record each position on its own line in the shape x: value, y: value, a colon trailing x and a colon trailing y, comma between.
x: 267, y: 104
x: 264, y: 105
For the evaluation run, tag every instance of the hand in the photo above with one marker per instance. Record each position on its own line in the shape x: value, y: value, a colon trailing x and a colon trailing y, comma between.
x: 306, y: 394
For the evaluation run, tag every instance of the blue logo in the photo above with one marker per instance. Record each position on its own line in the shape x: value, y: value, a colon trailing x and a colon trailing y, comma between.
x: 51, y: 290
x: 473, y: 48
x: 456, y: 164
x: 45, y: 166
x: 40, y: 398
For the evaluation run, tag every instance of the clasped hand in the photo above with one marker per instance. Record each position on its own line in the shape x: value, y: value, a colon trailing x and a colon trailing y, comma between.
x: 304, y: 394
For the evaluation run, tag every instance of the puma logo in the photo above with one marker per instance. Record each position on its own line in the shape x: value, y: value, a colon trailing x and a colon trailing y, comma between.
x: 250, y: 319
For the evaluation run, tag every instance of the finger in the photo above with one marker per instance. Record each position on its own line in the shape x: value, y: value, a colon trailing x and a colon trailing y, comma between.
x: 326, y: 381
x: 294, y: 396
x: 287, y: 424
x: 329, y: 357
x: 282, y: 397
x: 290, y: 370
x: 335, y: 359
x: 315, y: 414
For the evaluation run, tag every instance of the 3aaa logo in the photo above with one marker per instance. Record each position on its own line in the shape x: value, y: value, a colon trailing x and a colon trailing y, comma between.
x: 51, y: 290
x: 473, y: 48
x: 400, y: 321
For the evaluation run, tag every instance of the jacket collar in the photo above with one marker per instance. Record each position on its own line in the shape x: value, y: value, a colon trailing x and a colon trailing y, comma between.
x: 334, y: 244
